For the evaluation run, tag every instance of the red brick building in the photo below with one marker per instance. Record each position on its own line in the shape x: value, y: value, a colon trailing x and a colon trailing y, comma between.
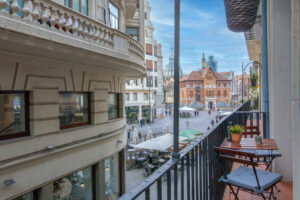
x: 205, y: 89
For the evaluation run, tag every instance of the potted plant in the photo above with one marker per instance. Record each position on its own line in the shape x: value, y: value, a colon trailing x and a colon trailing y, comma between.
x: 253, y: 79
x: 236, y: 133
x: 241, y: 14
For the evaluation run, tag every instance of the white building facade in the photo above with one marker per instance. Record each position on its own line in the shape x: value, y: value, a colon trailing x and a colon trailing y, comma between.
x: 144, y: 97
x: 63, y: 66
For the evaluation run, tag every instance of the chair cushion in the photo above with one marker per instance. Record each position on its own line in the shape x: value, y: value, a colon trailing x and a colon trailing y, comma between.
x: 267, y: 153
x: 263, y: 153
x: 244, y: 177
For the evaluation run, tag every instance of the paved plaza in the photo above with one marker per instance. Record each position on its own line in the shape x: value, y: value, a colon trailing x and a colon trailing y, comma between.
x: 199, y: 123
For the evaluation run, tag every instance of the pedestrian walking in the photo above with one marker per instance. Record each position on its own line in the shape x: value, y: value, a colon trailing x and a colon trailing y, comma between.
x: 140, y: 135
x: 128, y: 134
x: 209, y: 111
x: 187, y: 122
x: 212, y: 122
x: 195, y: 113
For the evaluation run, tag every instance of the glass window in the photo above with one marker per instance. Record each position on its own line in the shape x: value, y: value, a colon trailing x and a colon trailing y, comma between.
x: 133, y: 32
x: 29, y: 196
x: 84, y: 7
x: 155, y: 66
x: 149, y: 81
x: 113, y: 105
x: 73, y: 109
x: 13, y: 114
x: 78, y: 5
x: 145, y: 96
x: 149, y: 65
x: 145, y: 111
x: 112, y: 177
x: 149, y: 49
x: 145, y: 15
x: 113, y: 16
x: 134, y: 96
x: 76, y: 186
x: 155, y: 81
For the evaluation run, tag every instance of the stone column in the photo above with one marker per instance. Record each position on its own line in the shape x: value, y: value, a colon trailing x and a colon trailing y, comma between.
x: 280, y: 84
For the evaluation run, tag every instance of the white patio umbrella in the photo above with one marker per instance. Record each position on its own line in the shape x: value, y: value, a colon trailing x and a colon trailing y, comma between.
x: 186, y: 109
x: 135, y: 136
x: 160, y: 143
x: 149, y: 134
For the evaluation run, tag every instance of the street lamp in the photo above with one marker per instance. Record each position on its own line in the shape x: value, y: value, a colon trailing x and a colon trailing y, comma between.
x: 149, y: 97
x: 243, y: 70
x: 176, y: 79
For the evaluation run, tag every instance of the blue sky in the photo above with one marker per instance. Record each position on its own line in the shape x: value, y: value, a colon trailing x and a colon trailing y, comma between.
x: 203, y: 28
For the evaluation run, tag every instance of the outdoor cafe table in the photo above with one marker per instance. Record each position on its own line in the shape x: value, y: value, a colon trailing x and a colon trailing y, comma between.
x: 250, y: 143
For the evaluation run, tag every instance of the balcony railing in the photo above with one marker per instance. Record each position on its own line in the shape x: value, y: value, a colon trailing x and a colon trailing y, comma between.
x: 46, y: 19
x: 195, y: 174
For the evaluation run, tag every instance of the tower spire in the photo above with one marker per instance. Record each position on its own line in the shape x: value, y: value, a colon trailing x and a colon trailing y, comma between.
x: 203, y: 60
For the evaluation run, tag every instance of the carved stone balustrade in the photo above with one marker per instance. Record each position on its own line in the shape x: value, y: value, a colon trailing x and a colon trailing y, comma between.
x: 55, y: 23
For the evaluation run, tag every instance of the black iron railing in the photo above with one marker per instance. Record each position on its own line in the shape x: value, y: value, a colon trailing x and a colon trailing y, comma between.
x: 195, y: 174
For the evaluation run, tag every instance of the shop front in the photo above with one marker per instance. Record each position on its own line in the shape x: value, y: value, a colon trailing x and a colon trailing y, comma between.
x: 132, y: 114
x: 146, y: 114
x: 99, y: 181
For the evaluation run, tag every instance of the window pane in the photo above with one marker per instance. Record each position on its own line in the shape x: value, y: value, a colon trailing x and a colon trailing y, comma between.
x: 28, y: 196
x: 112, y: 177
x: 113, y: 16
x: 73, y: 109
x: 113, y: 10
x: 84, y: 7
x: 133, y: 32
x: 149, y: 49
x: 12, y: 113
x: 77, y: 186
x: 76, y: 5
x: 67, y: 3
x: 112, y: 106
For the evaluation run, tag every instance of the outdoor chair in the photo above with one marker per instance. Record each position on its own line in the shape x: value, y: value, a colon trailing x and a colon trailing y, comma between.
x: 264, y: 156
x: 248, y: 179
x: 251, y: 131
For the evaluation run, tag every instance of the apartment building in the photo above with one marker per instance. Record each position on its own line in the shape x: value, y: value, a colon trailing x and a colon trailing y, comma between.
x: 205, y: 89
x: 63, y: 66
x: 144, y: 97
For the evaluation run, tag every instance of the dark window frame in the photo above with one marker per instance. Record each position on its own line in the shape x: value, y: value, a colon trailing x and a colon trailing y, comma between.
x: 27, y: 120
x: 118, y: 106
x: 89, y: 112
x: 80, y: 11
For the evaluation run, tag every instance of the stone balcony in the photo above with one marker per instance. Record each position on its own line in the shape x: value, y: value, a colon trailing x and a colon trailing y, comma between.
x: 47, y: 29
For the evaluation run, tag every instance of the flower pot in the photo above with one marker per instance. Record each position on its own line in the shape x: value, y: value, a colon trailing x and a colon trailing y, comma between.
x: 241, y: 14
x: 236, y: 138
x: 253, y: 82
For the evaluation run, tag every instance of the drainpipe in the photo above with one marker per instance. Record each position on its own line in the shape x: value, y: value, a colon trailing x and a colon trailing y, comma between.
x: 265, y: 66
x: 176, y: 79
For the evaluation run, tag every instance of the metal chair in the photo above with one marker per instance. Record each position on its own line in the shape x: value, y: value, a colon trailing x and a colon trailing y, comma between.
x: 244, y: 178
x: 264, y: 156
